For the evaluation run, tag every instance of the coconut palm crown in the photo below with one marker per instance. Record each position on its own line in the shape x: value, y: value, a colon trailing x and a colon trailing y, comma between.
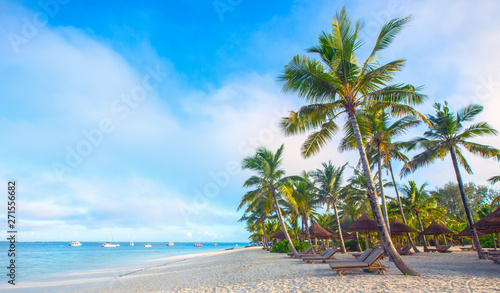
x: 338, y: 84
x: 448, y: 135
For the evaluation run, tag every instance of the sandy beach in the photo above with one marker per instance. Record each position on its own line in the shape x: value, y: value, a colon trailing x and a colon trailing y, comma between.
x: 254, y: 270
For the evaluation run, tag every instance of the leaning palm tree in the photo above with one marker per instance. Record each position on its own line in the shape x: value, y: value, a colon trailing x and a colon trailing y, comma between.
x: 378, y: 133
x: 269, y: 182
x: 338, y: 84
x: 329, y: 180
x: 447, y: 135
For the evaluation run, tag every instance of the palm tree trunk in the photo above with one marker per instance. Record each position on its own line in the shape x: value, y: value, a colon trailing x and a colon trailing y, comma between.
x: 382, y: 193
x: 422, y: 229
x: 283, y: 226
x: 304, y: 221
x: 265, y: 235
x: 466, y: 205
x: 401, y: 209
x: 341, y: 238
x: 385, y: 238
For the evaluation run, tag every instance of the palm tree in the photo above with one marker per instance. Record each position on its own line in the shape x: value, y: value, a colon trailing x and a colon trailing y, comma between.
x: 257, y: 212
x: 329, y: 180
x: 378, y: 134
x: 418, y: 202
x: 269, y: 181
x: 338, y: 84
x: 447, y: 134
x: 305, y: 200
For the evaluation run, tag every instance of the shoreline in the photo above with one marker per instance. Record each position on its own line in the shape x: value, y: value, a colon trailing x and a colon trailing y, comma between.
x: 101, y: 276
x: 253, y: 269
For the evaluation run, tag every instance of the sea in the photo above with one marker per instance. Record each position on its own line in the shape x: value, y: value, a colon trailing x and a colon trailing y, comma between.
x: 40, y: 260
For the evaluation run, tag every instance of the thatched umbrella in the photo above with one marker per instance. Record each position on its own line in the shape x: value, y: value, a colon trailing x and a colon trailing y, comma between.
x: 400, y: 228
x: 365, y: 225
x: 467, y: 232
x: 493, y: 216
x: 436, y: 229
x: 316, y: 231
x: 279, y: 235
x: 489, y: 225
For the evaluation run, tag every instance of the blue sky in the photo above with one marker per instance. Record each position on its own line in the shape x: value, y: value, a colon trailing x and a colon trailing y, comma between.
x: 133, y: 117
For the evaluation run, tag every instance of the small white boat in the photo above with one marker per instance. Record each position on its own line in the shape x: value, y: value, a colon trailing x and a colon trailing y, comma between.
x: 215, y: 244
x: 110, y: 243
x: 236, y: 244
x: 148, y: 245
x: 131, y: 243
x: 198, y: 245
x: 170, y: 244
x: 75, y: 243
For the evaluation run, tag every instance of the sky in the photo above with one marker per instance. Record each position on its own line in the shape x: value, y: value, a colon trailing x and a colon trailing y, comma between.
x: 133, y: 117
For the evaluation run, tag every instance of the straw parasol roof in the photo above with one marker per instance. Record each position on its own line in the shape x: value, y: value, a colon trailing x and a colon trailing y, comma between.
x: 400, y: 228
x: 488, y: 226
x: 364, y: 224
x: 316, y: 231
x: 279, y: 235
x: 467, y: 232
x: 436, y: 229
x: 493, y: 216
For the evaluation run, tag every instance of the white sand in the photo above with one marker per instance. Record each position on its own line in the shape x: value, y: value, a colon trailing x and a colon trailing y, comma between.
x: 255, y: 270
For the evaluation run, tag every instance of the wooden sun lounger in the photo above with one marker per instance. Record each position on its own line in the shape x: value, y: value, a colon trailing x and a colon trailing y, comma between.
x: 327, y: 254
x: 362, y: 257
x: 359, y: 255
x: 308, y: 251
x: 496, y: 260
x: 467, y: 248
x: 372, y: 263
x: 405, y: 250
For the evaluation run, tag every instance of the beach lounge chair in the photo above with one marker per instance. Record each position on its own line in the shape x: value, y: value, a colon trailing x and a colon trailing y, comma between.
x: 444, y: 249
x: 405, y: 250
x: 362, y: 257
x: 308, y: 251
x: 467, y: 248
x: 496, y: 260
x: 327, y: 254
x: 372, y: 263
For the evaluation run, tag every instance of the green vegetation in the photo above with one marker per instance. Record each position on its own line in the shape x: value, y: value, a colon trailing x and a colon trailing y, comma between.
x: 378, y: 114
x: 283, y: 247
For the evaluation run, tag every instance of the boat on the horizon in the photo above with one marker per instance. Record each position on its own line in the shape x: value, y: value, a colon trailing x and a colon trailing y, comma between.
x: 215, y: 244
x: 75, y: 243
x: 148, y: 245
x: 110, y: 243
x: 170, y: 244
x: 198, y: 245
x: 131, y: 243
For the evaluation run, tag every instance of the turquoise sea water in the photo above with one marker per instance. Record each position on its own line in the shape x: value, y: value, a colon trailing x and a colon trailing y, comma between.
x: 37, y: 260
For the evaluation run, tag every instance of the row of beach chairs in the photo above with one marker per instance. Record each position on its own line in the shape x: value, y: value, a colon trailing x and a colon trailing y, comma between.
x: 369, y: 260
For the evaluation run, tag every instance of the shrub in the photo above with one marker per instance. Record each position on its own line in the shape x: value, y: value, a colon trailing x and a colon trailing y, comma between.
x: 486, y: 242
x: 283, y: 247
x: 353, y: 246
